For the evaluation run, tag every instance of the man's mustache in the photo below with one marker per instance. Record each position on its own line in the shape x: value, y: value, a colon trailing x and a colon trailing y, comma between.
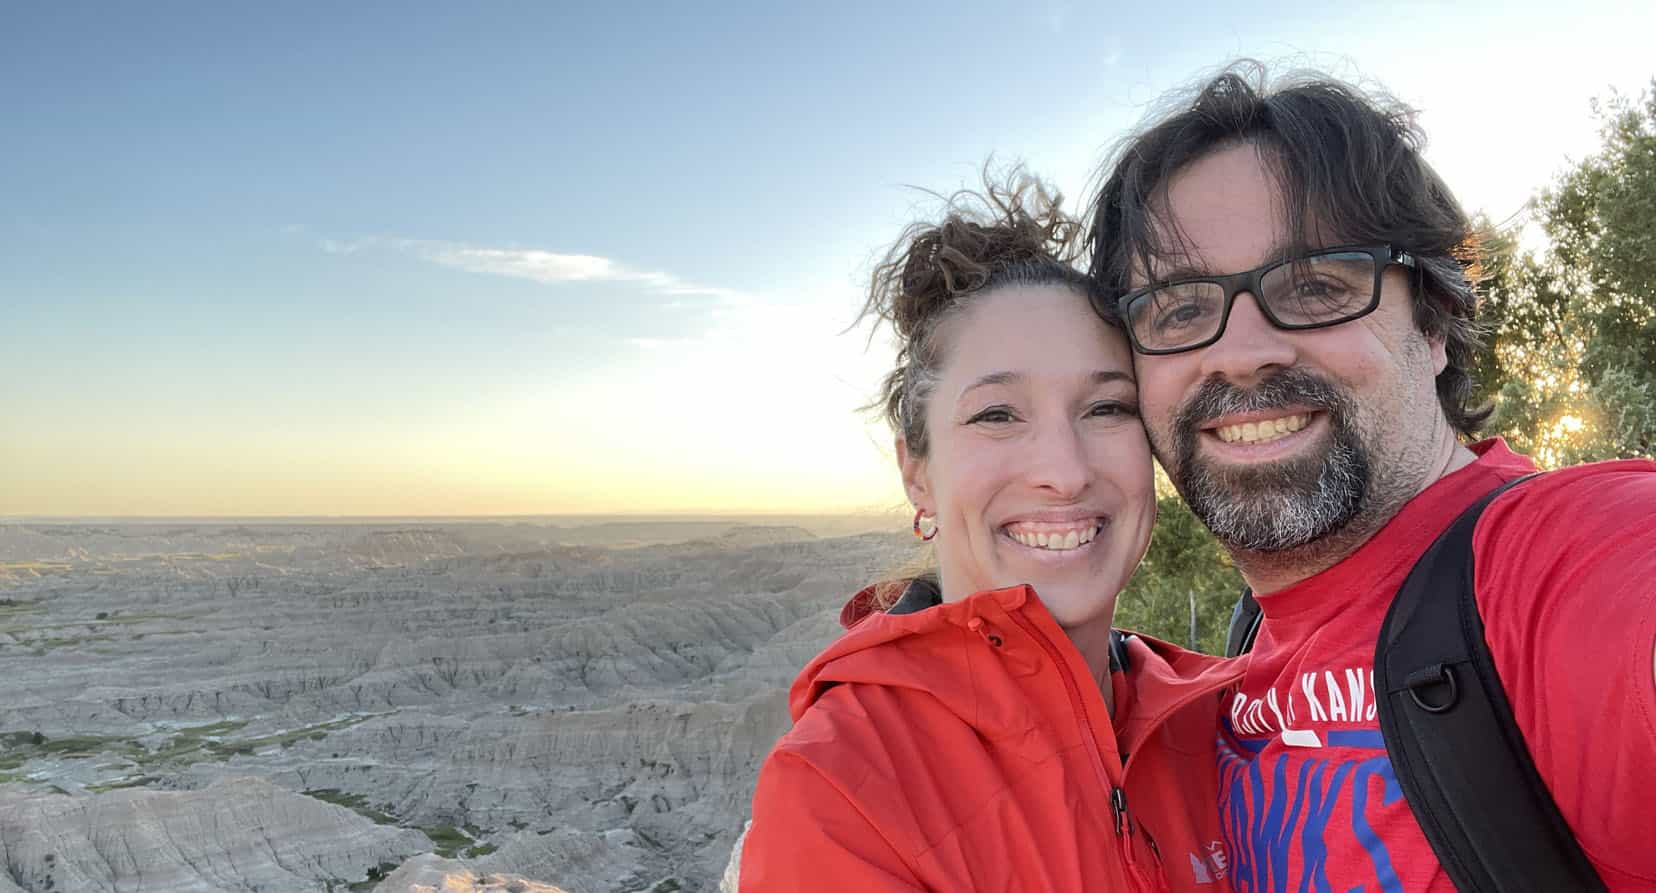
x: 1290, y: 387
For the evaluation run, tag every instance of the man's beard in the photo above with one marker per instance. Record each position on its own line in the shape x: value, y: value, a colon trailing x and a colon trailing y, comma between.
x: 1275, y: 506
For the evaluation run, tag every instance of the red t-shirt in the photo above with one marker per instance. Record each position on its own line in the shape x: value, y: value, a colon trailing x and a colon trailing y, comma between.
x: 1566, y: 584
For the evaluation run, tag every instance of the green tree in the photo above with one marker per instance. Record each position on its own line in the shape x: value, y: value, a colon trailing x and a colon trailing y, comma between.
x: 1571, y: 360
x: 1185, y: 569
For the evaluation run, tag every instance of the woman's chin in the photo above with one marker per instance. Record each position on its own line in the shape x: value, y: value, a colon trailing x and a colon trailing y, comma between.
x: 1078, y: 594
x: 1075, y: 605
x: 1076, y: 585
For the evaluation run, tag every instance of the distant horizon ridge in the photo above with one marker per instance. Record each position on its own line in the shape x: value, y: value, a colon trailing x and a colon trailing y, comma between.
x: 709, y: 516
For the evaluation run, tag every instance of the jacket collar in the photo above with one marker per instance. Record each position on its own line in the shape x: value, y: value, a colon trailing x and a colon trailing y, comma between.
x: 1165, y: 679
x: 924, y: 592
x: 924, y: 643
x: 920, y: 594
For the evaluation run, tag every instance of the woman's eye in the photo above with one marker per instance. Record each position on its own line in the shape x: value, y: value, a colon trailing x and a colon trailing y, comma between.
x: 994, y: 415
x: 1112, y: 408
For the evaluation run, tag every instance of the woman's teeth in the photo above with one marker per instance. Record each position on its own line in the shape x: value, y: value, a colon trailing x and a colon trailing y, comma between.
x: 1057, y: 540
x: 1262, y: 432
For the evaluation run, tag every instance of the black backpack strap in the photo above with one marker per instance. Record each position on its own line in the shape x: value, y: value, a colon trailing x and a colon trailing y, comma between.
x: 1244, y: 624
x: 1118, y: 652
x: 1457, y: 751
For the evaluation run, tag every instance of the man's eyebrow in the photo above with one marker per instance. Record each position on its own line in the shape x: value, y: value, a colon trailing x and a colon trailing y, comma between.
x: 1184, y: 269
x: 1183, y: 266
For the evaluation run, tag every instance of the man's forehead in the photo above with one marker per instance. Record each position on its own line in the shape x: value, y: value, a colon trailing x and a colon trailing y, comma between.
x: 1175, y: 250
x: 1225, y: 187
x: 1226, y: 211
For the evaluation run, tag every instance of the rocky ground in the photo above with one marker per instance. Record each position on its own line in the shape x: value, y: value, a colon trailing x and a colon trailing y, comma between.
x: 334, y: 706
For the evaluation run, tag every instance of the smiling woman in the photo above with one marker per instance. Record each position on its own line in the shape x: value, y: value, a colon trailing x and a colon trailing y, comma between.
x: 1034, y: 464
x: 1015, y: 410
x: 971, y: 731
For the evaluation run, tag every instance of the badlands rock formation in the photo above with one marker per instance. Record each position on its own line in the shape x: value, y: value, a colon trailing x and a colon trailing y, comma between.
x: 434, y: 874
x: 311, y: 706
x: 236, y: 834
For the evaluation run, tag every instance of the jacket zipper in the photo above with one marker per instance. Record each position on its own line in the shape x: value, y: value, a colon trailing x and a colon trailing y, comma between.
x: 1117, y: 794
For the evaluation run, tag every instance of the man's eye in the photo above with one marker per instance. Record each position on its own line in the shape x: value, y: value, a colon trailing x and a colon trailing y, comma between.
x: 1179, y: 316
x: 1319, y: 288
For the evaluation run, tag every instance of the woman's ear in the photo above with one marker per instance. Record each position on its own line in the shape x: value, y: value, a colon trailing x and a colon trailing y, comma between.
x: 914, y: 477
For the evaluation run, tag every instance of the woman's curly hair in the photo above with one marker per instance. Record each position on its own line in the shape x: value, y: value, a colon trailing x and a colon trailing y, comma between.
x: 1014, y: 232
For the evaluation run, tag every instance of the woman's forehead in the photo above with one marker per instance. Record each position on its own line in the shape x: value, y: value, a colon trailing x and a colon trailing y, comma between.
x: 1016, y: 333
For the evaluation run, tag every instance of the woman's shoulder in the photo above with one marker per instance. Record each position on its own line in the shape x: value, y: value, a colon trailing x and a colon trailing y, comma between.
x: 842, y: 712
x: 847, y: 716
x: 852, y: 753
x: 884, y: 664
x: 827, y: 806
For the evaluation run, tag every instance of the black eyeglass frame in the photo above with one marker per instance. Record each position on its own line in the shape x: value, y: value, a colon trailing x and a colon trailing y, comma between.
x: 1252, y: 282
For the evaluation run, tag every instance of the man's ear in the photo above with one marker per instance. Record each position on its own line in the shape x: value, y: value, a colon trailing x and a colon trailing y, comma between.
x: 1439, y: 345
x: 914, y: 477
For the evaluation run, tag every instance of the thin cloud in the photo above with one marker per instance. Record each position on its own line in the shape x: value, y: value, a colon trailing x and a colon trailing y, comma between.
x: 533, y: 264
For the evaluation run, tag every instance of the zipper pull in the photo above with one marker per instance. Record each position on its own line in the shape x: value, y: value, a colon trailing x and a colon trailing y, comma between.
x: 988, y: 633
x: 1148, y: 877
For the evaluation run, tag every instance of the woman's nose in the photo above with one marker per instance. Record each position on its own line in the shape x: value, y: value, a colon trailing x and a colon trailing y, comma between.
x: 1060, y: 463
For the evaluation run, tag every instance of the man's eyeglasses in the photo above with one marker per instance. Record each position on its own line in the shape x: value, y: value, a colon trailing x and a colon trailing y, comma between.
x: 1324, y: 288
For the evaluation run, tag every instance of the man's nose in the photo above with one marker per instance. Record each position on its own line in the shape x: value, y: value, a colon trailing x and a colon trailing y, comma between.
x: 1251, y: 348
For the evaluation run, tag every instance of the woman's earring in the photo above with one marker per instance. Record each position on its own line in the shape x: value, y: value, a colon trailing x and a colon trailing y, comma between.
x: 925, y: 537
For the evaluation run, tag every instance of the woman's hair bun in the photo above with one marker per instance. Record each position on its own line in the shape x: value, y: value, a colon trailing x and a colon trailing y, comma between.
x: 1010, y: 224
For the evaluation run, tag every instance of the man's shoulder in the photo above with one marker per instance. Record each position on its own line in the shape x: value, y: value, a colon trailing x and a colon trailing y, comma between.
x: 1631, y: 469
x: 1571, y: 529
x: 1579, y: 500
x: 1566, y: 589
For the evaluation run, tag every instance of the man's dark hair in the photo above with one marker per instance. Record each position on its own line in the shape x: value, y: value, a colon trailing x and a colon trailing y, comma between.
x: 1349, y: 166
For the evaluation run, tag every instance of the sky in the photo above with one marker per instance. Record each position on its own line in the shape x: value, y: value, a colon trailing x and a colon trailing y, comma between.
x: 512, y: 259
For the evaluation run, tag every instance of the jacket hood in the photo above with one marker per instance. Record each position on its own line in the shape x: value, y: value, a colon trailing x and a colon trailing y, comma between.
x: 945, y: 649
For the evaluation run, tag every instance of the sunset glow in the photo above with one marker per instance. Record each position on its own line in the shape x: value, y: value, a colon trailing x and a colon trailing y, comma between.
x: 461, y: 263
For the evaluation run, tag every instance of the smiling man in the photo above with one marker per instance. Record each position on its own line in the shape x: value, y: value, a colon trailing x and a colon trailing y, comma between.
x: 1297, y: 284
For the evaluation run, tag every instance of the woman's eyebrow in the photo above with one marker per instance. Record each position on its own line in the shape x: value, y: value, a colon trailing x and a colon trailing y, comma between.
x: 1098, y: 377
x: 993, y: 378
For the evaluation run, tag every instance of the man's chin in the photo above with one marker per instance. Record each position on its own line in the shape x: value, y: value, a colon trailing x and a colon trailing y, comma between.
x: 1276, y: 482
x: 1269, y: 507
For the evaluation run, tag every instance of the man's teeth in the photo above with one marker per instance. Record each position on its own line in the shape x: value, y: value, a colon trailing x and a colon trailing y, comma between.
x: 1055, y: 541
x: 1262, y: 432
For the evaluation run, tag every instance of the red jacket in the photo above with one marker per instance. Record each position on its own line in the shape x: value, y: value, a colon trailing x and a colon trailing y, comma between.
x: 966, y: 747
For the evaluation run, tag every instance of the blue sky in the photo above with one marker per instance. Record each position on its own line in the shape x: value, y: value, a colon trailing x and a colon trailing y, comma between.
x: 515, y: 258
